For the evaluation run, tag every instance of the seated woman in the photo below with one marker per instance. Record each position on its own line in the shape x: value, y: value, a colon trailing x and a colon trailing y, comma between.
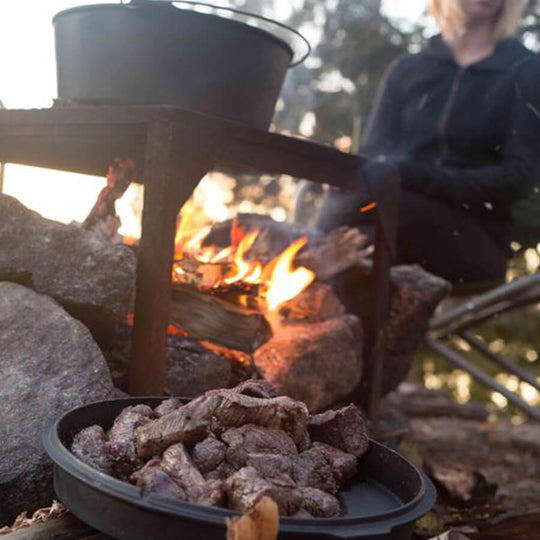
x: 461, y: 120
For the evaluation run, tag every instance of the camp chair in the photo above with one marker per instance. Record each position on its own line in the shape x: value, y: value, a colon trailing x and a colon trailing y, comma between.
x: 486, y: 304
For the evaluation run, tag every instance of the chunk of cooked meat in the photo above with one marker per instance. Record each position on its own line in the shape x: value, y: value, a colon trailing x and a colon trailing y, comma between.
x: 121, y: 443
x: 282, y: 413
x: 89, y: 445
x: 153, y: 479
x: 344, y: 466
x: 178, y: 464
x: 251, y: 439
x: 208, y: 454
x: 302, y: 514
x: 142, y: 409
x: 345, y: 429
x: 319, y: 503
x: 270, y: 465
x: 188, y: 425
x: 222, y: 472
x: 246, y: 487
x: 312, y: 468
x: 167, y: 406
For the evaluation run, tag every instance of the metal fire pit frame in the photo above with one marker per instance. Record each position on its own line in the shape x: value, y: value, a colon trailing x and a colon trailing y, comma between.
x: 173, y: 149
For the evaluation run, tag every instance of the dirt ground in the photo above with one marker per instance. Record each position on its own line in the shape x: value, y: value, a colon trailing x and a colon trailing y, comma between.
x: 487, y: 476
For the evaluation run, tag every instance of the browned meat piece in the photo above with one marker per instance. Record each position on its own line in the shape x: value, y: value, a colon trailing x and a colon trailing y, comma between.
x: 270, y: 465
x: 141, y: 409
x: 256, y: 388
x: 121, y: 443
x: 319, y: 504
x: 153, y: 479
x: 178, y: 464
x: 302, y: 514
x: 281, y: 413
x: 312, y: 469
x: 250, y: 439
x: 345, y: 429
x: 344, y: 466
x: 208, y: 454
x: 245, y: 488
x: 189, y: 425
x: 89, y: 446
x: 222, y: 472
x: 167, y: 406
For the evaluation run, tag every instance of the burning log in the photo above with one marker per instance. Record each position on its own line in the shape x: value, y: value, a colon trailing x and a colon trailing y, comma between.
x: 208, y: 317
x: 335, y: 252
x: 325, y: 255
x: 102, y: 219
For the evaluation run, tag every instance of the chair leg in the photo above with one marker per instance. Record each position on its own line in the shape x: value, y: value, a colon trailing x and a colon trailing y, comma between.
x: 462, y: 363
x: 498, y: 359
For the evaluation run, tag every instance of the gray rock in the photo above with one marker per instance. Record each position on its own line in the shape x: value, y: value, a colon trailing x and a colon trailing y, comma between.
x: 415, y: 295
x: 317, y: 363
x: 192, y: 370
x: 92, y: 279
x: 49, y: 363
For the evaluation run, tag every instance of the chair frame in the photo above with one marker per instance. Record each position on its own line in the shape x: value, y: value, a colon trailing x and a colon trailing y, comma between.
x: 460, y: 321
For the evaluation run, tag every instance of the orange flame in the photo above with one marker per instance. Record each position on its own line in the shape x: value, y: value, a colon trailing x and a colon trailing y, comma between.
x: 278, y: 281
x: 286, y: 282
x: 242, y: 267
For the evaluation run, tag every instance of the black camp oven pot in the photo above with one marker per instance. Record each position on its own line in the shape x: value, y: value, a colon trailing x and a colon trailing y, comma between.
x: 383, y: 502
x: 150, y: 52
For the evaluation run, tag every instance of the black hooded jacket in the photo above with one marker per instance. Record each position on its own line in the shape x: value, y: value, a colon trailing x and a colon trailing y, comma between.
x: 467, y: 136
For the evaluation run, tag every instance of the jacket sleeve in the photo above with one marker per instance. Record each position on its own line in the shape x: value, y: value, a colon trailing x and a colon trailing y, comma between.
x: 382, y: 131
x: 510, y: 180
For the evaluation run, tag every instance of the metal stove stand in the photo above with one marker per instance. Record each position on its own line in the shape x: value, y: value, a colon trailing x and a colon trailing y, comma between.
x: 173, y: 149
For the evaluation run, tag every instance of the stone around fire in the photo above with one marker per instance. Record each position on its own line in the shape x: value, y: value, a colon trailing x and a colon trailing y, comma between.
x: 92, y: 279
x: 317, y: 363
x: 192, y: 370
x: 49, y: 364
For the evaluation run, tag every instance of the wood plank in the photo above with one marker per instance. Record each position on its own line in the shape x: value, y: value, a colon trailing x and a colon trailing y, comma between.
x: 66, y: 527
x: 209, y: 318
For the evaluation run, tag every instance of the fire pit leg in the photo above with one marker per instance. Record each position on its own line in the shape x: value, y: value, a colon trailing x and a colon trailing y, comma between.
x: 381, y: 270
x: 171, y: 175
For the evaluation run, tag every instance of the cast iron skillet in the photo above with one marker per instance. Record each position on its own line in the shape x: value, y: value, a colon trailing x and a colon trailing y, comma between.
x: 384, y: 501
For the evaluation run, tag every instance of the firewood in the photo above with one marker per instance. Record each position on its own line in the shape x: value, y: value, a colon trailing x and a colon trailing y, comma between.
x: 210, y: 277
x: 518, y: 525
x: 335, y: 252
x: 326, y: 255
x: 102, y: 218
x: 260, y: 523
x: 207, y: 317
x: 426, y: 403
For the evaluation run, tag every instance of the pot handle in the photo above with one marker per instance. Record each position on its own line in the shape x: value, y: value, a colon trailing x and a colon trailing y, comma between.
x: 306, y: 43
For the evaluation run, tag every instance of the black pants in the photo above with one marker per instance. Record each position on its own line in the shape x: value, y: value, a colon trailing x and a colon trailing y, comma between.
x: 446, y: 241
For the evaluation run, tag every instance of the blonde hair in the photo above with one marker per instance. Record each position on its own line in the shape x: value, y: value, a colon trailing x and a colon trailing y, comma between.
x: 449, y: 17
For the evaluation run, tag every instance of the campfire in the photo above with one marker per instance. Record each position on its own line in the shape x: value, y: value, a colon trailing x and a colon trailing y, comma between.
x: 232, y: 270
